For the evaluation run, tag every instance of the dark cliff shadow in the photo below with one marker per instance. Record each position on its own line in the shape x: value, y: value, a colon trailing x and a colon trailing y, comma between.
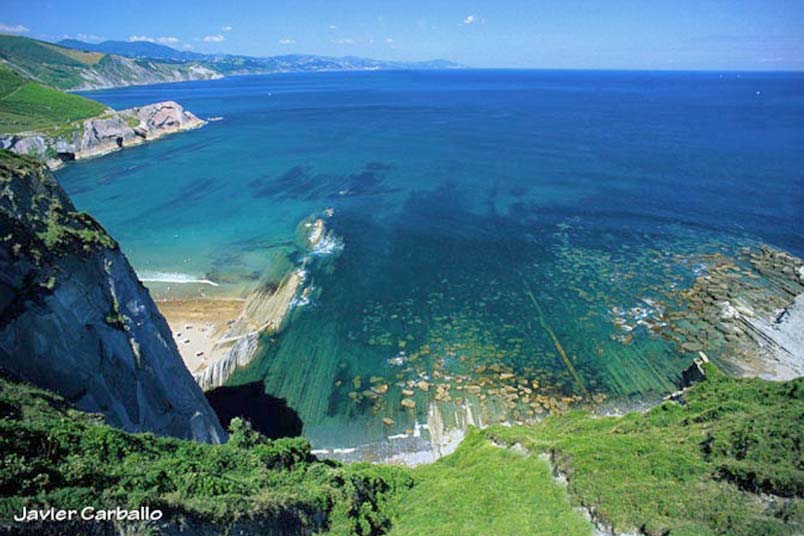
x: 269, y: 415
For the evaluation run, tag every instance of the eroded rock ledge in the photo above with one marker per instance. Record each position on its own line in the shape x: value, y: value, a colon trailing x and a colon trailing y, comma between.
x: 748, y: 313
x: 104, y: 134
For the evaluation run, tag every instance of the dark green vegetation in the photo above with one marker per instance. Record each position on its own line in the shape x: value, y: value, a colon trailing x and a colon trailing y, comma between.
x: 53, y: 455
x: 27, y: 106
x: 44, y: 223
x: 690, y: 468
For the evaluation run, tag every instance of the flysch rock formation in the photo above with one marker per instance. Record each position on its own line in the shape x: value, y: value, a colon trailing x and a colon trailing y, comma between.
x: 104, y: 134
x: 75, y: 319
x: 748, y: 312
x: 265, y: 311
x: 120, y: 71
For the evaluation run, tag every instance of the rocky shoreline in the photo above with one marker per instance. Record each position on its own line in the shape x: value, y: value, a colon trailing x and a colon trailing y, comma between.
x: 743, y: 312
x: 747, y: 312
x: 102, y: 135
x: 218, y: 335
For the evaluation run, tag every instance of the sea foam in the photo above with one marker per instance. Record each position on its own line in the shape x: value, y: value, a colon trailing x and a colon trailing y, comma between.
x: 174, y: 277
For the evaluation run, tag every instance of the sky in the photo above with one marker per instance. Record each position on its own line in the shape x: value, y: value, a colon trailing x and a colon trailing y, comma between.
x: 571, y: 34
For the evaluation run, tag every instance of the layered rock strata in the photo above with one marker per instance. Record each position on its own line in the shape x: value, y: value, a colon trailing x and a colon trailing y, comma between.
x: 104, y: 134
x: 75, y: 319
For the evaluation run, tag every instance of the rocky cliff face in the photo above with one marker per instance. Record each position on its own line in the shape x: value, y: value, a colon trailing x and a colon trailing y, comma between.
x: 74, y: 318
x: 105, y: 134
x: 119, y: 71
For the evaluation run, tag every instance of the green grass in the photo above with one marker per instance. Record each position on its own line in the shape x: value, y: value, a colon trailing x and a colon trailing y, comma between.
x: 678, y: 469
x: 50, y: 64
x: 53, y: 455
x: 687, y: 468
x: 484, y: 489
x: 29, y: 106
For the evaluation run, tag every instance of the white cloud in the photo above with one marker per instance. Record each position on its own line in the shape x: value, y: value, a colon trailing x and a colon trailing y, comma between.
x: 165, y: 40
x: 213, y: 38
x: 471, y: 19
x: 333, y: 27
x: 287, y: 41
x: 345, y: 41
x: 226, y: 29
x: 17, y: 28
x: 86, y: 38
x: 389, y: 40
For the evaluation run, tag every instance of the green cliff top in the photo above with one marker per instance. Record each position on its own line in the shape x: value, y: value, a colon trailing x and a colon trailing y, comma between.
x: 36, y: 216
x: 29, y: 106
x: 689, y: 468
x: 53, y: 455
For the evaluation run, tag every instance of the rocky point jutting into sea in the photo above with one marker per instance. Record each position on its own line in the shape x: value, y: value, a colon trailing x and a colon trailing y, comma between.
x: 216, y: 336
x: 102, y: 135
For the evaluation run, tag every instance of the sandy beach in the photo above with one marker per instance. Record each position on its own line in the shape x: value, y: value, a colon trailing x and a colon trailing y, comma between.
x: 196, y: 323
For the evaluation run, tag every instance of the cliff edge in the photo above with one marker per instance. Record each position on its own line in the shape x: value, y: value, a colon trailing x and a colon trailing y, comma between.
x: 75, y: 319
x: 104, y: 134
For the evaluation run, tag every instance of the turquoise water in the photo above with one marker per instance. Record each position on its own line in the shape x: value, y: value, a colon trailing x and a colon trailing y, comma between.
x: 484, y: 215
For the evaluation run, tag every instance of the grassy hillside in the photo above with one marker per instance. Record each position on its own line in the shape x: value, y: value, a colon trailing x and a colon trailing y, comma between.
x: 67, y: 68
x: 483, y: 489
x: 687, y: 469
x: 53, y: 455
x: 680, y: 469
x: 26, y: 105
x: 52, y: 65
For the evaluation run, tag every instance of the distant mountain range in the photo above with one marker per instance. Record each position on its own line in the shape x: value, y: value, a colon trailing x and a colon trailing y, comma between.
x: 76, y: 65
x: 238, y: 64
x: 134, y: 49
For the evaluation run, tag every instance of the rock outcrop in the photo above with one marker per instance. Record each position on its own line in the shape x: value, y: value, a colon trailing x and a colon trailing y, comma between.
x: 265, y: 311
x: 74, y: 318
x: 120, y: 71
x: 747, y: 312
x: 105, y: 134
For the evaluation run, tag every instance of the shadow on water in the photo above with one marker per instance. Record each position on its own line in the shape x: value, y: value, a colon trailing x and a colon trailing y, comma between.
x: 302, y: 182
x: 269, y: 415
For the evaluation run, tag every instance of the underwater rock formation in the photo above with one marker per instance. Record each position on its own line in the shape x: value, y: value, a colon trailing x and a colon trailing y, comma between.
x: 265, y: 311
x: 267, y: 308
x: 74, y: 318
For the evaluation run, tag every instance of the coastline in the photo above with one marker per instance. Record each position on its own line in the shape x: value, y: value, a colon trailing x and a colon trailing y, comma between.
x: 110, y: 132
x: 224, y: 334
x: 217, y: 329
x: 195, y: 324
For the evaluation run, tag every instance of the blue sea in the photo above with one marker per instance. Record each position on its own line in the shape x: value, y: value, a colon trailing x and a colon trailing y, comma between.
x: 484, y: 216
